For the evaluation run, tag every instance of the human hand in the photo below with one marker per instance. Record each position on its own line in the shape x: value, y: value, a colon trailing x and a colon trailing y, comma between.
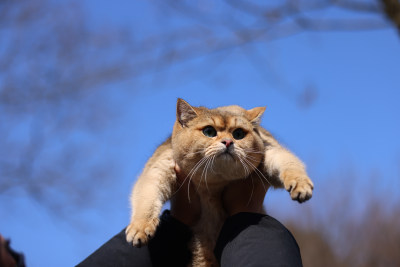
x: 245, y: 195
x: 185, y: 202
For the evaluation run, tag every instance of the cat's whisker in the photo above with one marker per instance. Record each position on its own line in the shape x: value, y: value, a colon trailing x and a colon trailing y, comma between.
x: 212, y: 163
x: 205, y: 178
x: 197, y: 166
x: 255, y: 152
x: 252, y: 158
x: 239, y: 155
x: 200, y: 150
x: 257, y: 171
x: 187, y: 176
x: 192, y: 172
x: 252, y: 182
x: 252, y: 154
x: 251, y: 150
x: 246, y: 169
x: 212, y: 151
x: 204, y: 172
x: 262, y: 182
x: 252, y: 191
x: 202, y: 161
x: 195, y: 153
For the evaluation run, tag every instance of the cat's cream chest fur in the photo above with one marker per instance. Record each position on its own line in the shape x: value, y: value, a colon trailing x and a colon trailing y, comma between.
x: 207, y: 229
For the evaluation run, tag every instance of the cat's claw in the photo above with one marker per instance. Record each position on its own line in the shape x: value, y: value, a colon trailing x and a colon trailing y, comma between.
x: 139, y: 232
x: 300, y: 187
x: 301, y: 195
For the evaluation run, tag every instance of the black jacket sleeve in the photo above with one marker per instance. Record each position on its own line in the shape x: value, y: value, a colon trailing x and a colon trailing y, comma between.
x: 168, y: 247
x: 250, y: 239
x: 246, y: 239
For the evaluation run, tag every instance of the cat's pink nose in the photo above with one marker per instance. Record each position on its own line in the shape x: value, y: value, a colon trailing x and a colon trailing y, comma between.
x: 227, y: 142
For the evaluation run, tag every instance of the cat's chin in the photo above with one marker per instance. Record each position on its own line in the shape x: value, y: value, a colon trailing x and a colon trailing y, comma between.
x: 226, y: 156
x: 228, y: 167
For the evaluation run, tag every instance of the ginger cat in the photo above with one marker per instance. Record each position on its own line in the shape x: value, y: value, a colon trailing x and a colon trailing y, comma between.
x: 212, y: 147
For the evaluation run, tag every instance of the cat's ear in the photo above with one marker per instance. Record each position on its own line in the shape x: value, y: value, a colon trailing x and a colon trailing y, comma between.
x: 184, y: 112
x: 255, y: 114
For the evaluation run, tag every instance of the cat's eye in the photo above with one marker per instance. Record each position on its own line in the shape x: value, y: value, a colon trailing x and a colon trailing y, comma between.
x: 209, y: 131
x: 239, y: 133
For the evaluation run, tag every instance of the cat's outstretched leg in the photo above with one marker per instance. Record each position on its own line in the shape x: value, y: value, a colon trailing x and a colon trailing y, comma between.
x: 284, y: 165
x: 153, y: 188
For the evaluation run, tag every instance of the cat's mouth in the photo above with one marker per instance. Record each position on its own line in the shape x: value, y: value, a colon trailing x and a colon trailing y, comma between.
x: 227, y: 154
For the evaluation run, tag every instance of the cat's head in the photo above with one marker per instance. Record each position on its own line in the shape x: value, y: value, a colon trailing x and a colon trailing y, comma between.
x: 214, y: 144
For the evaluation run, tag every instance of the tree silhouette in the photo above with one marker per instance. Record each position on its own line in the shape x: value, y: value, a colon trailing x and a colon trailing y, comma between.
x: 56, y: 71
x: 55, y: 68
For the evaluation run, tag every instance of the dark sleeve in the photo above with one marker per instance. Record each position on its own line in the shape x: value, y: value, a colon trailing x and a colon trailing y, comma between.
x: 250, y: 239
x: 168, y: 247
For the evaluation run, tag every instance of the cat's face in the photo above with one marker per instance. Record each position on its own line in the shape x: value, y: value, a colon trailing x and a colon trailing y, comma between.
x: 214, y: 145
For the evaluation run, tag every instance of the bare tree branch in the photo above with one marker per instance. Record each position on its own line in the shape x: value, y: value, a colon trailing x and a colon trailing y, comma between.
x: 392, y: 11
x: 51, y: 62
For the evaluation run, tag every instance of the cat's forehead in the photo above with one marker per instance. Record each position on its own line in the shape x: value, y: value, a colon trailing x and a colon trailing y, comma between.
x: 222, y: 117
x: 232, y: 110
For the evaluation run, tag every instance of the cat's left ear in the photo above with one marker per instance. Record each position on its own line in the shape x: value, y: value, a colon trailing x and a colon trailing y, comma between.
x: 184, y: 112
x: 255, y: 114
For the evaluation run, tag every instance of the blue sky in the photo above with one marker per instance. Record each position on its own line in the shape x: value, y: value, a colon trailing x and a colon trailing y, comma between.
x: 353, y: 124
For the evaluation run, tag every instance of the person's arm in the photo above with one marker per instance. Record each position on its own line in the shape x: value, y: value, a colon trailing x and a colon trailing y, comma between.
x: 168, y: 247
x: 250, y: 238
x: 253, y: 239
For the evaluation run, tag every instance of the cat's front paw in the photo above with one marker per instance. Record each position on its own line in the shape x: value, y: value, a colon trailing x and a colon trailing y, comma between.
x: 139, y: 232
x: 298, y: 184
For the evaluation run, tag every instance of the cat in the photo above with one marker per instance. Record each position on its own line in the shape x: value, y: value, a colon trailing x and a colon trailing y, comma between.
x: 212, y: 147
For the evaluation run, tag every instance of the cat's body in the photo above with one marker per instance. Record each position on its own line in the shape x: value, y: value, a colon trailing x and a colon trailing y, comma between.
x: 212, y: 147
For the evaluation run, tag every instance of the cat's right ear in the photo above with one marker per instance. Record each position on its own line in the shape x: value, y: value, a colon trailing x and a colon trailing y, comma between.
x: 255, y: 114
x: 184, y: 112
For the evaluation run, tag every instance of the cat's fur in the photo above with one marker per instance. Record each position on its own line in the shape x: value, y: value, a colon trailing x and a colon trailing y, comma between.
x: 211, y: 163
